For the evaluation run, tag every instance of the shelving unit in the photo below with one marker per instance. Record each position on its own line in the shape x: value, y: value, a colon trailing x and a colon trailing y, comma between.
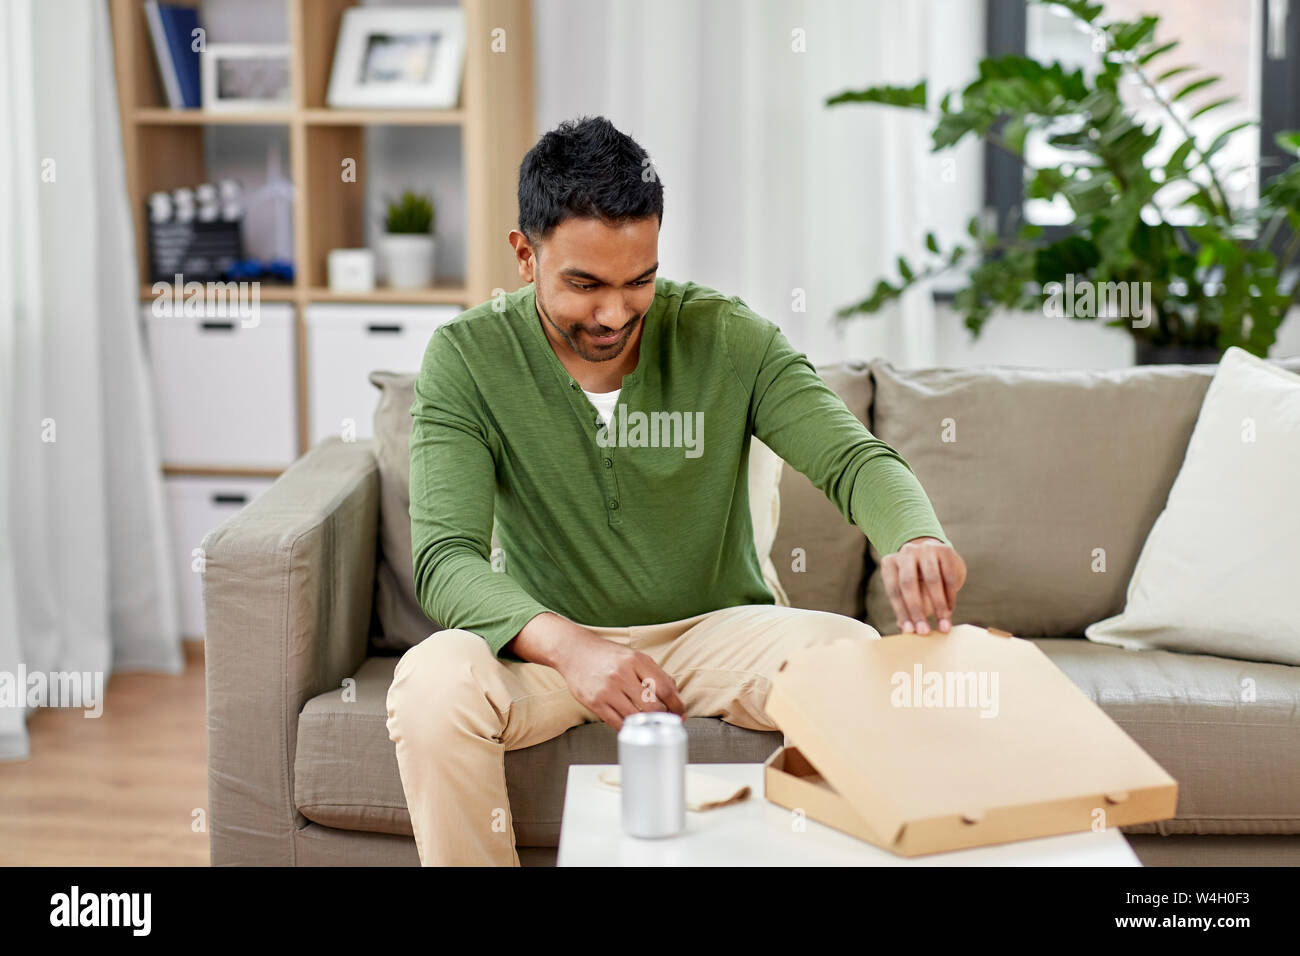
x: 231, y: 399
x: 164, y: 149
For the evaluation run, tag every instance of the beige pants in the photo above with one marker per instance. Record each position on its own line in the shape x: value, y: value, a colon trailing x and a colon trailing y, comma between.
x: 454, y: 709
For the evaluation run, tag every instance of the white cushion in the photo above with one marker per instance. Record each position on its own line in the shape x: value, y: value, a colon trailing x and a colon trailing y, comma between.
x: 1219, y: 569
x: 765, y: 511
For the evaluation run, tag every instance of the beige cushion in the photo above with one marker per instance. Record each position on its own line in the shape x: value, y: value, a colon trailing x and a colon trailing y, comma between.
x: 1220, y: 563
x: 821, y: 558
x: 402, y: 620
x: 1051, y: 472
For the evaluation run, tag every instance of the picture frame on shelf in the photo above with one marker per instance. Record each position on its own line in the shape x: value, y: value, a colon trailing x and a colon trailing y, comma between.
x: 245, y: 76
x: 398, y: 58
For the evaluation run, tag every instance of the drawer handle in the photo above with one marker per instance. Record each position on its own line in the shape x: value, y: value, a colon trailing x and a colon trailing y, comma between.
x: 234, y: 498
x: 376, y: 327
x: 217, y: 326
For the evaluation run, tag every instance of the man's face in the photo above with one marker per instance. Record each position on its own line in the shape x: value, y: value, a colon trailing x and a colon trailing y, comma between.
x: 593, y: 283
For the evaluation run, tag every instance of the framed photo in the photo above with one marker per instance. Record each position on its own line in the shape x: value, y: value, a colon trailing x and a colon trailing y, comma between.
x: 398, y: 57
x: 245, y: 76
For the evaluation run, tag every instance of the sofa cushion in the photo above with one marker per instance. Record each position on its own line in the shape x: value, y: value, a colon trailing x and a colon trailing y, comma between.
x: 402, y: 621
x: 1045, y: 481
x: 1226, y: 730
x: 346, y: 776
x: 821, y: 558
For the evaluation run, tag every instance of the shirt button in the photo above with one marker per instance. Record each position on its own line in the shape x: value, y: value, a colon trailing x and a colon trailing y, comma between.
x: 608, y: 463
x: 613, y: 504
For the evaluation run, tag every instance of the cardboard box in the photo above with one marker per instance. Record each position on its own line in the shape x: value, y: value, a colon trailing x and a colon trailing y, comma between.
x: 922, y: 744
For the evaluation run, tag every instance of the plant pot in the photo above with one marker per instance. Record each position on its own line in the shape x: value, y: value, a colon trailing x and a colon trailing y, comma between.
x: 1151, y: 353
x: 408, y: 259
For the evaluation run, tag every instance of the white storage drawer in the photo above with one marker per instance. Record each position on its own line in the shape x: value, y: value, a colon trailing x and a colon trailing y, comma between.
x: 194, y: 507
x: 345, y: 343
x: 225, y: 393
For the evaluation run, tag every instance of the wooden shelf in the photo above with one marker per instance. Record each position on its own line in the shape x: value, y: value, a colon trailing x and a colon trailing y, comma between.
x: 165, y: 116
x: 331, y: 117
x: 220, y: 471
x: 448, y: 294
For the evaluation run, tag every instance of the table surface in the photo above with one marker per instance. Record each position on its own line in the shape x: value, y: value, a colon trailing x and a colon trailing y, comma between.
x: 757, y: 832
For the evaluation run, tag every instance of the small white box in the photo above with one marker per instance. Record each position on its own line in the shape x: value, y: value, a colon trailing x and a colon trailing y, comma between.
x: 351, y: 270
x: 225, y: 392
x: 194, y: 507
x: 345, y: 343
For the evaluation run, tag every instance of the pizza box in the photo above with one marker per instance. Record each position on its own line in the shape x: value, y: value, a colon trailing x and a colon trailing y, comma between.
x: 927, y: 743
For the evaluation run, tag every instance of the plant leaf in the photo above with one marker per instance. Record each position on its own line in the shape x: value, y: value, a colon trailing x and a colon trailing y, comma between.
x: 1087, y: 12
x: 1193, y: 86
x: 1152, y: 54
x: 1213, y: 106
x: 1222, y: 139
x: 908, y: 97
x: 1289, y: 140
x: 1177, y: 164
x: 1128, y: 36
x: 1170, y: 74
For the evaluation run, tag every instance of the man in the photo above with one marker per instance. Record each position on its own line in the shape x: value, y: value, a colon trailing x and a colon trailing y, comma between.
x: 602, y: 415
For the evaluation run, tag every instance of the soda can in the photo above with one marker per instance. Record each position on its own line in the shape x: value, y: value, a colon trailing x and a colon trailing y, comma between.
x: 652, y: 768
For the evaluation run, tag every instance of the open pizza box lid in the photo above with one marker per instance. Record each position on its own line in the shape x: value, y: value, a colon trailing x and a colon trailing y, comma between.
x: 925, y: 743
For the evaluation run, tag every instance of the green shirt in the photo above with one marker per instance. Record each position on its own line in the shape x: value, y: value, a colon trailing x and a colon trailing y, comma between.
x: 645, y: 521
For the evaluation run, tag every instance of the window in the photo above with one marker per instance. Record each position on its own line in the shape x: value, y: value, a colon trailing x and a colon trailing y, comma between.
x: 1253, y: 45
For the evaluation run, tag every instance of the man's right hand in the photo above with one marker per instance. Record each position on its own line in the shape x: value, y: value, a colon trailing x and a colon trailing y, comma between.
x: 610, y: 680
x: 613, y: 681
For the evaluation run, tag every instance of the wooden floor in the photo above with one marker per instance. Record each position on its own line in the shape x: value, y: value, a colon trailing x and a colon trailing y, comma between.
x: 117, y: 790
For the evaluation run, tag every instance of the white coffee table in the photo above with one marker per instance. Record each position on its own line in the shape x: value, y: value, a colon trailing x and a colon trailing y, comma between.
x: 756, y: 832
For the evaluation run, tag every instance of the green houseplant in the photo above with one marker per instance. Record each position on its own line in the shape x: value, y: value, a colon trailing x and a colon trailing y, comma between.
x: 407, y: 246
x: 1205, y: 287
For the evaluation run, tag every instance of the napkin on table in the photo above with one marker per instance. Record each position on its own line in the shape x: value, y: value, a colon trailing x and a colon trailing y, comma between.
x: 704, y: 791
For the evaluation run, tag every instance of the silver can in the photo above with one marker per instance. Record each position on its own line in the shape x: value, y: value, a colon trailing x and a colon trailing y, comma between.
x: 652, y: 767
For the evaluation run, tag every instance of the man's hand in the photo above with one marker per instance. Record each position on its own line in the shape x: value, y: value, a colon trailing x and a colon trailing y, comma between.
x: 922, y: 578
x: 613, y: 681
x: 607, y: 678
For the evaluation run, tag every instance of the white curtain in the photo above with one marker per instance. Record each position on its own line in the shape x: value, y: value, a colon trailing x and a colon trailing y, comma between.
x: 767, y: 190
x: 85, y: 582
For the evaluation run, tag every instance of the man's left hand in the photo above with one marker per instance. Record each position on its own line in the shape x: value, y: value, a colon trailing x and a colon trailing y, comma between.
x: 922, y: 579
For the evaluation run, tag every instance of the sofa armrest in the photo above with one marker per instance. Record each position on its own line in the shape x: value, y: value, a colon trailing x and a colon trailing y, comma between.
x: 287, y: 590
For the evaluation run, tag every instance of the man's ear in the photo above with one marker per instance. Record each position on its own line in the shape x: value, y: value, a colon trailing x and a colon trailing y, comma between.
x: 525, y: 255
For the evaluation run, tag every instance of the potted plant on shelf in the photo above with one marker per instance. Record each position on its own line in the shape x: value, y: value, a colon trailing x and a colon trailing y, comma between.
x: 407, y: 246
x: 1217, y: 281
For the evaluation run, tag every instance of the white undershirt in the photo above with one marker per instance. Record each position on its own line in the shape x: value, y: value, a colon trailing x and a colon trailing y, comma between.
x: 604, y: 402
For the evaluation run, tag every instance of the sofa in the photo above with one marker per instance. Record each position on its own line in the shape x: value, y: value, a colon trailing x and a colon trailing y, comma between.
x: 1047, y: 483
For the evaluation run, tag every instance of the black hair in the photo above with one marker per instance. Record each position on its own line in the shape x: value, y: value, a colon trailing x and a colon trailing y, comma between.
x: 585, y: 168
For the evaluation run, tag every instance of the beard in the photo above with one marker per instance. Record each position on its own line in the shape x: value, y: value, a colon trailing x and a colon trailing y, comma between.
x: 579, y: 336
